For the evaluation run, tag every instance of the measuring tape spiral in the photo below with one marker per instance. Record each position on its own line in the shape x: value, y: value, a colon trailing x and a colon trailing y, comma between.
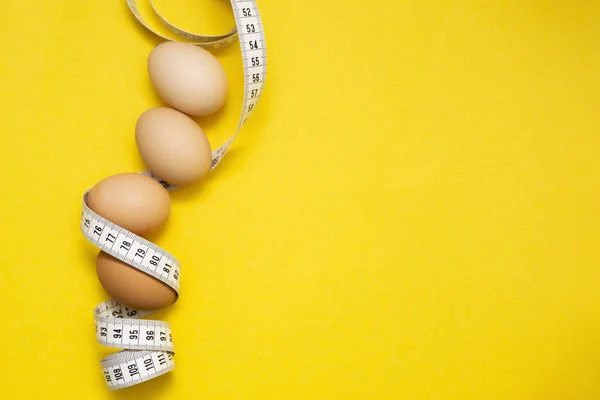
x: 147, y: 345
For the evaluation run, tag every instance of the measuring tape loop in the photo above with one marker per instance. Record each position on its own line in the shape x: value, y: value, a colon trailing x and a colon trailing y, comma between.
x: 112, y: 330
x: 127, y: 368
x: 146, y: 345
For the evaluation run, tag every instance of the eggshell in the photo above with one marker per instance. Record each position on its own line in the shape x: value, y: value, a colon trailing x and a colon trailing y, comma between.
x: 130, y: 286
x: 188, y: 78
x: 133, y: 201
x: 173, y: 146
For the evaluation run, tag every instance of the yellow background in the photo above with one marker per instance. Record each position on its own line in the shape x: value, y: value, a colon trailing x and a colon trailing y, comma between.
x: 411, y: 212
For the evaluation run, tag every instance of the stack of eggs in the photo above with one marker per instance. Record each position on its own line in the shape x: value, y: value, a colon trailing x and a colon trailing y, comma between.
x: 174, y: 148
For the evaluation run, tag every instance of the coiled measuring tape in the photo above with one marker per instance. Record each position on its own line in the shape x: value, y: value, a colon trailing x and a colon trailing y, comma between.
x: 147, y: 345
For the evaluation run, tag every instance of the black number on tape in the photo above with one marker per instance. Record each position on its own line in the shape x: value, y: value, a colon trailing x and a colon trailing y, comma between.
x: 253, y: 44
x: 133, y: 334
x: 255, y: 77
x: 161, y: 359
x: 149, y: 335
x: 110, y: 238
x: 87, y: 223
x: 149, y: 364
x: 117, y: 313
x: 250, y: 28
x: 125, y: 245
x: 118, y: 373
x: 167, y: 268
x: 97, y: 230
x: 140, y: 252
x: 107, y: 376
x: 247, y: 12
x: 133, y: 370
x: 117, y: 334
x: 155, y: 260
x: 163, y: 336
x: 254, y: 92
x: 102, y: 331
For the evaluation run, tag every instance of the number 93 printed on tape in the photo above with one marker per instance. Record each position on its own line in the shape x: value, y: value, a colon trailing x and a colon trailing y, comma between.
x: 147, y: 349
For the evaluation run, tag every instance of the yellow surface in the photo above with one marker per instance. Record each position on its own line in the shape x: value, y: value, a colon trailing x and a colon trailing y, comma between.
x: 411, y: 213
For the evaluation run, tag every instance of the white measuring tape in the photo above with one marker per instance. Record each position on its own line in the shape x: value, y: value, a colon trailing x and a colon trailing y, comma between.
x: 147, y: 345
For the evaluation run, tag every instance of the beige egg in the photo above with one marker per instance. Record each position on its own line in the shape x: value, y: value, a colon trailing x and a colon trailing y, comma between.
x: 130, y: 286
x: 173, y: 146
x: 188, y: 78
x: 133, y: 201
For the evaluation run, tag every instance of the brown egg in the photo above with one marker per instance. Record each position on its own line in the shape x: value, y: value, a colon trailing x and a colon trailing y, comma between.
x: 133, y: 201
x: 188, y: 78
x: 173, y: 146
x: 130, y: 286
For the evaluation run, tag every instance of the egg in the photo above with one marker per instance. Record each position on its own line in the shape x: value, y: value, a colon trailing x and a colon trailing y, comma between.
x: 130, y: 286
x: 133, y: 201
x: 188, y: 78
x: 173, y: 146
